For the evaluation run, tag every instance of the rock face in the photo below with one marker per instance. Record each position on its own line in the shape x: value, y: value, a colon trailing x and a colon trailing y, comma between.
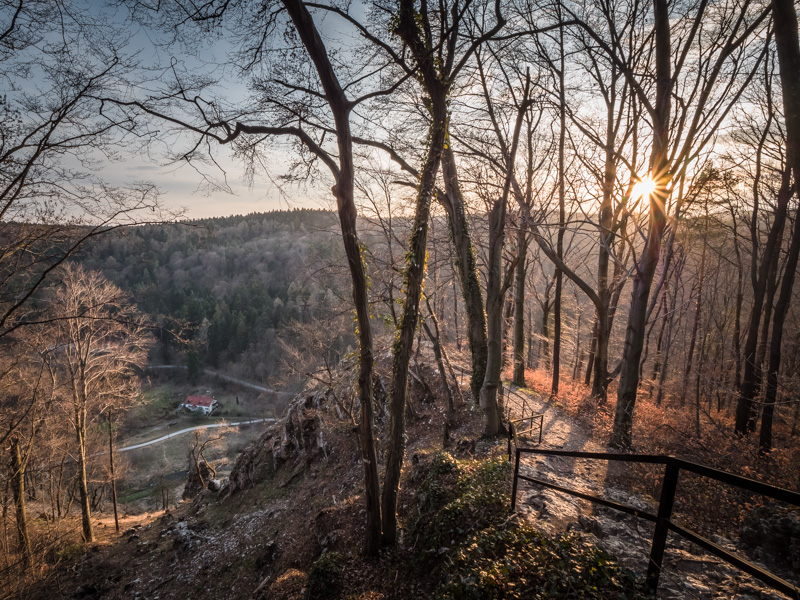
x: 297, y: 438
x: 194, y: 483
x: 773, y: 534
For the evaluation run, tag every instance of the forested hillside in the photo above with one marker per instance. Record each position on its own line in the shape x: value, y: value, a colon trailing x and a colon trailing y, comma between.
x: 222, y: 291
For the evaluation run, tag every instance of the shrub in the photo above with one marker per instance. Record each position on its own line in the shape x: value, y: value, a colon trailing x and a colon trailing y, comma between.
x: 325, y: 577
x: 69, y: 552
x: 482, y: 554
x: 517, y: 562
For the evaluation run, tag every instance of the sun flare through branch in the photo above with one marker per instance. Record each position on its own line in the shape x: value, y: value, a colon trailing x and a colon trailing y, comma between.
x: 643, y: 188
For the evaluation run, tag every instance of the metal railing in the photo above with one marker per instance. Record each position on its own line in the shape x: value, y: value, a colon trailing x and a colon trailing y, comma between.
x: 516, y: 427
x: 663, y: 518
x: 516, y: 430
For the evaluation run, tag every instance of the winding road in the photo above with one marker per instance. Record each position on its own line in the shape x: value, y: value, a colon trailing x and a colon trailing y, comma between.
x: 188, y: 429
x: 242, y: 382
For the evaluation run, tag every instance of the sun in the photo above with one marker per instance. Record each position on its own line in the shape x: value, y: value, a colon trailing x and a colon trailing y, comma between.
x: 643, y: 188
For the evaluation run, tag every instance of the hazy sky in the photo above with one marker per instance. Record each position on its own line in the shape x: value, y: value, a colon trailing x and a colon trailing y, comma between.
x: 182, y: 185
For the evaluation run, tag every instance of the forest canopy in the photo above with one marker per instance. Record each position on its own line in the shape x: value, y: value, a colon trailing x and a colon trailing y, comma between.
x: 226, y: 288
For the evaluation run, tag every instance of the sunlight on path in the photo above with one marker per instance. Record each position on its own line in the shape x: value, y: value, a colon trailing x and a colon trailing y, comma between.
x: 550, y: 510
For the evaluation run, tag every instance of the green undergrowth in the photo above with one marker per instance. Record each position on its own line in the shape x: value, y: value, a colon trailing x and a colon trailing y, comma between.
x: 325, y: 577
x: 135, y: 495
x: 470, y: 548
x: 69, y: 551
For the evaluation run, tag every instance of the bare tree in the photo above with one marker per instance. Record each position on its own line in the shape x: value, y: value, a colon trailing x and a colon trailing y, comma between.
x: 697, y: 118
x: 55, y: 56
x: 101, y: 345
x: 24, y: 394
x: 498, y: 282
x: 213, y: 122
x: 788, y: 50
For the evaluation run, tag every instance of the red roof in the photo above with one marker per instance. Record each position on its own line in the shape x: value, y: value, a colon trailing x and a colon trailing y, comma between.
x: 199, y: 401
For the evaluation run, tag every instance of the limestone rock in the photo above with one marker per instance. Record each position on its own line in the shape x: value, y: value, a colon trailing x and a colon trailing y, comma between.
x: 298, y: 438
x: 196, y: 483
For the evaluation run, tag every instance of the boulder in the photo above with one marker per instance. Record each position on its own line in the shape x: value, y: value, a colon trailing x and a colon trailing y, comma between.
x: 197, y: 480
x: 772, y: 532
x: 297, y: 439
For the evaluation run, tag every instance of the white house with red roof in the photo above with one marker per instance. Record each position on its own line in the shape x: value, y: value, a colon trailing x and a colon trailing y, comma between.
x: 205, y: 404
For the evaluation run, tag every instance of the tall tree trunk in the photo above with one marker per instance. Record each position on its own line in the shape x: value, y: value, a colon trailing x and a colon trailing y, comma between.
x: 622, y: 433
x: 698, y: 311
x: 578, y: 351
x: 531, y: 364
x: 766, y: 321
x: 467, y: 269
x: 737, y: 322
x: 662, y: 377
x: 602, y: 328
x: 519, y: 308
x: 60, y: 487
x: 544, y: 344
x: 645, y: 354
x: 601, y: 380
x: 562, y: 117
x: 18, y: 488
x: 83, y: 486
x: 111, y: 469
x: 745, y: 407
x: 590, y: 365
x: 786, y: 43
x: 442, y: 362
x: 697, y: 385
x: 659, y: 342
x: 413, y: 279
x: 788, y: 46
x: 343, y: 190
x: 508, y: 322
x: 494, y: 319
x: 369, y: 456
x: 784, y: 19
x: 457, y: 334
x: 496, y: 285
x: 556, y: 363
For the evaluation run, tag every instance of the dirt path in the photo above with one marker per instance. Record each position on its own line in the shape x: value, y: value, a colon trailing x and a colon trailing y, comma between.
x: 688, y: 573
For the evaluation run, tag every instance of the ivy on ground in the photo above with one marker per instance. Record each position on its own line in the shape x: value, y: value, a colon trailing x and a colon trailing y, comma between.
x: 473, y: 550
x: 325, y: 577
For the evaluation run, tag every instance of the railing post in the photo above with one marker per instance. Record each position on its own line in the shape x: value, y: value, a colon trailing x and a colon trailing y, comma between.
x: 514, y: 484
x: 662, y: 529
x: 510, y: 433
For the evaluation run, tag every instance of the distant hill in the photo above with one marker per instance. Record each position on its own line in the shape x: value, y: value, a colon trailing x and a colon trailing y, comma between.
x: 222, y: 289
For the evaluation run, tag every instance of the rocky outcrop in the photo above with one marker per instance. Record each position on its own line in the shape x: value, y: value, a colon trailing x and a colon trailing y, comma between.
x: 772, y: 533
x: 197, y: 480
x: 296, y: 439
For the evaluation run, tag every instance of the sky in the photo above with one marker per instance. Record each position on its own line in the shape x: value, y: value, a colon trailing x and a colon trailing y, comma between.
x: 182, y: 186
x: 32, y: 74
